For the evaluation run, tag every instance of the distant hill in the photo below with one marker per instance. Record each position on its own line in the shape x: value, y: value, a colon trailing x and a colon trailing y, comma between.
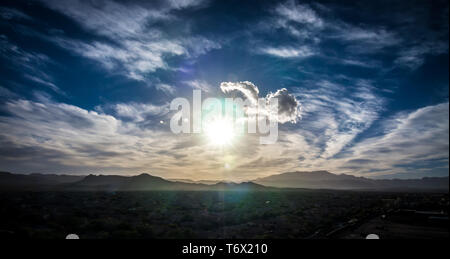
x: 32, y: 181
x: 327, y: 180
x: 147, y: 182
x: 244, y: 186
x: 210, y: 182
x: 142, y: 182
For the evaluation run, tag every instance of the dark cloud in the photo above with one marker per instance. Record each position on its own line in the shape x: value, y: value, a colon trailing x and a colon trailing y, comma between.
x: 289, y: 109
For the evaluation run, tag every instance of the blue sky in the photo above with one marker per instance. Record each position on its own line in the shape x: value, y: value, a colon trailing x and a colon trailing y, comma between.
x: 85, y: 85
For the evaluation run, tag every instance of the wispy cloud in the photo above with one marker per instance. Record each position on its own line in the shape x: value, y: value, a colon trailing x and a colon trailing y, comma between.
x: 32, y: 65
x: 299, y: 13
x: 337, y: 114
x: 309, y: 26
x: 199, y: 85
x: 44, y: 80
x: 168, y: 89
x: 13, y: 14
x: 361, y: 63
x: 406, y: 141
x: 181, y: 4
x: 133, y: 43
x: 139, y: 112
x: 414, y: 57
x: 373, y: 38
x: 288, y: 52
x: 21, y: 57
x: 135, y: 57
x: 297, y: 19
x: 6, y: 93
x: 248, y: 89
x: 110, y: 18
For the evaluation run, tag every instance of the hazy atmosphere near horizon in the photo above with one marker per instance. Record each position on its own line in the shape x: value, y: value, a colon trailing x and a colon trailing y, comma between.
x: 86, y: 86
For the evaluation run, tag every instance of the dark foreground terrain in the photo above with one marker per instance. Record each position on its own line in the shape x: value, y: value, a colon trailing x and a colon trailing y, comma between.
x: 223, y: 214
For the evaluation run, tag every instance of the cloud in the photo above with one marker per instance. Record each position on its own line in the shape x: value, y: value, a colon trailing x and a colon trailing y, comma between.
x: 5, y: 92
x: 361, y: 63
x: 378, y: 36
x: 411, y: 61
x: 13, y: 14
x: 289, y: 109
x: 30, y: 64
x: 139, y: 112
x: 288, y: 106
x: 409, y: 141
x: 53, y: 137
x: 47, y: 83
x: 248, y: 89
x: 343, y: 126
x: 197, y: 45
x: 135, y: 57
x: 134, y: 46
x: 180, y: 4
x: 168, y: 89
x: 305, y: 23
x: 20, y: 57
x: 314, y: 27
x: 406, y: 141
x: 309, y: 26
x: 109, y: 18
x: 414, y: 141
x: 264, y: 162
x: 414, y: 57
x: 58, y: 135
x: 199, y: 85
x: 334, y: 114
x: 299, y: 21
x: 361, y: 39
x: 303, y: 14
x: 288, y: 52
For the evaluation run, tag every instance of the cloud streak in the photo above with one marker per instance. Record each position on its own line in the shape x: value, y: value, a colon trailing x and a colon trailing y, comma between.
x: 288, y: 52
x: 407, y: 141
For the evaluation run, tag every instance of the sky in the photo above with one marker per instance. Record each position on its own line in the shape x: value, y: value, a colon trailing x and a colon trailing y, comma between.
x: 86, y: 86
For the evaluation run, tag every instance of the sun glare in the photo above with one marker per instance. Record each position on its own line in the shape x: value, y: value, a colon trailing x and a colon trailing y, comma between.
x: 220, y: 132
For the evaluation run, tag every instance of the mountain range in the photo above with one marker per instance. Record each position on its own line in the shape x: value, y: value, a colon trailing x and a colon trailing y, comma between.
x: 326, y: 180
x: 142, y: 182
x: 147, y: 182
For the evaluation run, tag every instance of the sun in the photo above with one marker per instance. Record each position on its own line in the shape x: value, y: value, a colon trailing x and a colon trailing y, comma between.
x: 220, y: 131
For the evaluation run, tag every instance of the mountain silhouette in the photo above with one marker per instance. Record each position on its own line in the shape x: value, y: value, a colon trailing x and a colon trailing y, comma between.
x: 32, y: 181
x: 147, y: 182
x: 142, y: 182
x: 244, y: 186
x: 327, y: 180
